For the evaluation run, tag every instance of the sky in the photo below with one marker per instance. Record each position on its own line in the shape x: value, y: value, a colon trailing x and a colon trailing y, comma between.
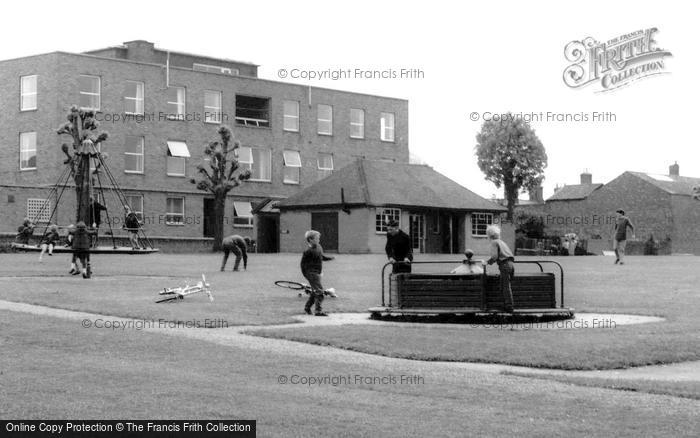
x: 469, y: 61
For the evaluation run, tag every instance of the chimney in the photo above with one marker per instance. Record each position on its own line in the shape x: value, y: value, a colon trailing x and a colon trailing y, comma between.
x: 536, y: 195
x: 586, y: 177
x: 674, y: 169
x: 140, y: 50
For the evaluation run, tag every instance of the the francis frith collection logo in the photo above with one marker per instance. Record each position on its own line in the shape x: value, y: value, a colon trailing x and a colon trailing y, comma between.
x: 614, y: 63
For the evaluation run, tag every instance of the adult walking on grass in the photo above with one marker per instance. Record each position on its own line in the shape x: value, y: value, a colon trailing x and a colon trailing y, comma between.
x: 622, y: 222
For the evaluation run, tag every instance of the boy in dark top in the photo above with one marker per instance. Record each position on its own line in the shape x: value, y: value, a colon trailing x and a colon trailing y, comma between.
x: 24, y: 231
x: 398, y: 248
x: 131, y: 224
x: 239, y: 247
x: 95, y: 211
x: 312, y: 269
x: 81, y: 246
x: 501, y: 254
x: 620, y: 241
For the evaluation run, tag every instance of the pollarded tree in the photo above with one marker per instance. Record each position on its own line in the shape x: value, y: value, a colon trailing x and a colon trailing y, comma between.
x: 510, y: 154
x: 220, y: 176
x: 82, y: 127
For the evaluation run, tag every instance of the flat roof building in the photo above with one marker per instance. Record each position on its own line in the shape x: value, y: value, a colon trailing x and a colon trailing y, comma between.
x: 160, y: 109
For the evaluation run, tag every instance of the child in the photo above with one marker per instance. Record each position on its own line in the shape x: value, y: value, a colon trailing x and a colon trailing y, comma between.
x: 501, y: 254
x: 131, y: 224
x: 239, y: 246
x: 311, y: 268
x: 468, y: 266
x: 48, y: 241
x: 24, y: 231
x: 81, y: 246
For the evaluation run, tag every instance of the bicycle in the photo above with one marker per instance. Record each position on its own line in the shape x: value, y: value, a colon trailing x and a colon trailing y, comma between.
x: 330, y: 292
x: 179, y: 293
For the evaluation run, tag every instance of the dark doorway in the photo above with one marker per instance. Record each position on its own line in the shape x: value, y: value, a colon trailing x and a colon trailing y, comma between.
x: 208, y: 217
x: 327, y: 225
x: 268, y: 233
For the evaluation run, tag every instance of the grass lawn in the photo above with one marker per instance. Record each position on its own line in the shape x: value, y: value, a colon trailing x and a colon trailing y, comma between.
x: 127, y: 285
x: 51, y: 368
x: 661, y: 286
x: 676, y: 389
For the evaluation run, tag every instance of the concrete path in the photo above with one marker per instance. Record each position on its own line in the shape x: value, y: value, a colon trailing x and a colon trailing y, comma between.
x: 235, y: 337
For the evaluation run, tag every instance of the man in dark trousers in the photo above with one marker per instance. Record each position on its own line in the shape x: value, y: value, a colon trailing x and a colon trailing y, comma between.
x: 622, y: 223
x: 239, y: 247
x: 398, y: 248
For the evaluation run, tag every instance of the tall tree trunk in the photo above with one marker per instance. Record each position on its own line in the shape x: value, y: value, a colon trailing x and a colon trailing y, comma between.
x: 82, y: 190
x: 511, y: 195
x: 219, y: 210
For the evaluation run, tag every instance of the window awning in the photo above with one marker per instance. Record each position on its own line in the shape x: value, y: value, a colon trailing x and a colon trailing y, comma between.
x: 292, y: 159
x: 243, y: 209
x: 178, y: 149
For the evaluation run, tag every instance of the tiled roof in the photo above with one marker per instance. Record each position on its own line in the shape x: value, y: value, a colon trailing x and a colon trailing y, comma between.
x: 675, y: 185
x: 575, y: 191
x: 377, y: 183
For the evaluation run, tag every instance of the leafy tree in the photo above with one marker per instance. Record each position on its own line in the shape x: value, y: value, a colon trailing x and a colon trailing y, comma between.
x: 220, y: 176
x: 531, y: 225
x: 82, y: 127
x: 510, y: 154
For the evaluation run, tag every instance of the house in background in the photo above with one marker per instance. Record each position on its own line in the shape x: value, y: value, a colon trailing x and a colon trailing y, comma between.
x: 351, y: 208
x: 665, y: 206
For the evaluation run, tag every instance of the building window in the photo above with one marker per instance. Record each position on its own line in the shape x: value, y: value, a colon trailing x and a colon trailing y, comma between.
x: 177, y: 154
x: 258, y: 161
x: 175, y: 211
x: 133, y: 154
x: 133, y: 98
x: 384, y: 216
x: 357, y: 123
x: 242, y: 215
x: 176, y: 103
x: 89, y: 92
x: 325, y: 119
x: 325, y: 165
x: 215, y: 69
x: 292, y: 167
x: 479, y: 223
x: 27, y: 93
x: 135, y: 202
x: 291, y: 116
x: 27, y: 151
x: 253, y: 111
x: 212, y: 106
x: 386, y: 123
x: 39, y: 210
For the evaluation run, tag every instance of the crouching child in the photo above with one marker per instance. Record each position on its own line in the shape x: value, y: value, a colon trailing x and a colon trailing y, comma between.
x: 312, y: 269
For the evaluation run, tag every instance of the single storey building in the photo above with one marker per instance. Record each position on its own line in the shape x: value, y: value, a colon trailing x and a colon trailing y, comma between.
x: 352, y: 207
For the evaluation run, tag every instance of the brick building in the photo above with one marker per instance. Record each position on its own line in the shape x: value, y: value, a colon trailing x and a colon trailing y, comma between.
x: 666, y: 207
x: 160, y: 108
x: 351, y: 209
